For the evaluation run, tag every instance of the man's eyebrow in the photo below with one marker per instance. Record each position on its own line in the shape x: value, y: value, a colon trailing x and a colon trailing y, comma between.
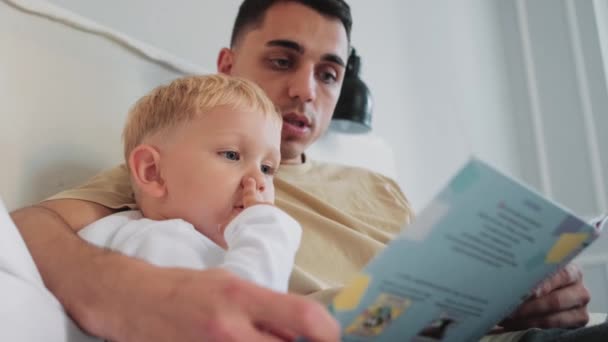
x: 288, y: 44
x: 330, y: 57
x: 291, y: 45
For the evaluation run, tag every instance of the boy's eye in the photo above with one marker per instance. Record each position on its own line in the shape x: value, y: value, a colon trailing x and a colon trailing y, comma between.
x: 231, y: 155
x: 267, y: 170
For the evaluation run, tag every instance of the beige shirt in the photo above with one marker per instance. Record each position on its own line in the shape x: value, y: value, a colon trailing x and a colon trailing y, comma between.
x: 347, y: 215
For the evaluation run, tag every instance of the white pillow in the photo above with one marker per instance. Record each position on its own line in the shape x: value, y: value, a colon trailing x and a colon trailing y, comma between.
x: 363, y: 150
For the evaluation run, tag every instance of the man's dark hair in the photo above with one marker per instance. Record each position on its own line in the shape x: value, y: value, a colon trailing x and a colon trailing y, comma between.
x: 251, y: 13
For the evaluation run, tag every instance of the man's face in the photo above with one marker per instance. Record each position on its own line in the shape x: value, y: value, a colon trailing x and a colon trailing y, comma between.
x: 298, y: 57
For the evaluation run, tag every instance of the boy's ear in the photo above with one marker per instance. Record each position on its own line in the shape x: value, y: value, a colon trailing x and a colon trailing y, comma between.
x: 225, y: 61
x: 144, y: 164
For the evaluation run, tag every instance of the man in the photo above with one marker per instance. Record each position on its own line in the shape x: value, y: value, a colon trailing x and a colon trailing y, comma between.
x: 296, y: 51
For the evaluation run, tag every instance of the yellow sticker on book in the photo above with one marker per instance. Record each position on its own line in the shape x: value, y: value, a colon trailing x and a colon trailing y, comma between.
x: 566, y: 244
x: 350, y: 296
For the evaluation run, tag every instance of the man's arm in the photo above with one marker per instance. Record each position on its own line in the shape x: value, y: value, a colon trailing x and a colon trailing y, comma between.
x: 119, y: 298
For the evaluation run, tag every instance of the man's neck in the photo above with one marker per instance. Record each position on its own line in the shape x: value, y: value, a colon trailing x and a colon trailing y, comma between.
x: 295, y: 161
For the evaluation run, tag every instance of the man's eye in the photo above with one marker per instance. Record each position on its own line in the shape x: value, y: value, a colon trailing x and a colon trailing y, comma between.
x: 231, y: 155
x: 267, y: 170
x: 280, y: 63
x: 327, y: 77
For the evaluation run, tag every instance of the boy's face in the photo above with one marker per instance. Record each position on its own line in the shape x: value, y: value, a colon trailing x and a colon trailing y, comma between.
x: 206, y: 162
x: 297, y: 56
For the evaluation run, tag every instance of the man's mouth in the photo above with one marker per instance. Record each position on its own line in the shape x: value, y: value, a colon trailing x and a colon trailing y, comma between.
x: 297, y: 120
x: 295, y: 125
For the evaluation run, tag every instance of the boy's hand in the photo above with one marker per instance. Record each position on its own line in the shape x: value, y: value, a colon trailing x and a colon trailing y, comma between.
x: 252, y: 196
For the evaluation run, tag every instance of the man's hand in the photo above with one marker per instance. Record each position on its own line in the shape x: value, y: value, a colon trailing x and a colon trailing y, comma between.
x: 214, y: 305
x: 559, y: 302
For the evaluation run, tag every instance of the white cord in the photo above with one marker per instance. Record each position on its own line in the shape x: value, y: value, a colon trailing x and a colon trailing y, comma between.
x: 49, y: 11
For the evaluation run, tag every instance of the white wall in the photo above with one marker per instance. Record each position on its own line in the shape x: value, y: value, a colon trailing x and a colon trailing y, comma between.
x: 602, y: 23
x: 437, y: 71
x: 192, y: 29
x: 64, y: 97
x: 558, y: 86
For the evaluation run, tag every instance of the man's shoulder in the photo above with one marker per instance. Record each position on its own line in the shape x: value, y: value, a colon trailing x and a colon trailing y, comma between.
x: 110, y: 188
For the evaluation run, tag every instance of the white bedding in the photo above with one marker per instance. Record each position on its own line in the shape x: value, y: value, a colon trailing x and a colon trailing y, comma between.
x: 29, y: 313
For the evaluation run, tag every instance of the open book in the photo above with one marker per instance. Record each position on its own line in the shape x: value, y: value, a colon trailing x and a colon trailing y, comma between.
x: 472, y: 255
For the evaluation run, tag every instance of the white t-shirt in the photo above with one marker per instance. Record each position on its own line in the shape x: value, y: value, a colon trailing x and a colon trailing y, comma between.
x: 262, y: 242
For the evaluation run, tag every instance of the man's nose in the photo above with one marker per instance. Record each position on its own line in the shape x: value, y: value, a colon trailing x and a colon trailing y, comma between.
x: 303, y: 84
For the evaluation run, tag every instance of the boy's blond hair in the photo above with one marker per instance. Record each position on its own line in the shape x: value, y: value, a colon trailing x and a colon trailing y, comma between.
x: 185, y: 98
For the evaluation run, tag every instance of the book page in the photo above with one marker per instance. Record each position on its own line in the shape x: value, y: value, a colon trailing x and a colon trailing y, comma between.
x: 473, y: 254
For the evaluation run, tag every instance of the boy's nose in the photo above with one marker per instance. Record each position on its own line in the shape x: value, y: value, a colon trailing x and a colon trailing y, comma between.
x: 258, y: 177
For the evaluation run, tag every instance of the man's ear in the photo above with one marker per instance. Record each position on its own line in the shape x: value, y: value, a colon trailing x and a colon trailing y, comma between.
x: 225, y: 61
x: 144, y: 164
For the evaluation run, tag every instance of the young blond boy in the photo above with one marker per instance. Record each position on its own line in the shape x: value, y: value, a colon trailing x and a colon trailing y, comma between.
x: 201, y: 153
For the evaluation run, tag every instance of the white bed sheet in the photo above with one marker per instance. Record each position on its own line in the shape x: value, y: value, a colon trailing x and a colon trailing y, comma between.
x: 29, y: 312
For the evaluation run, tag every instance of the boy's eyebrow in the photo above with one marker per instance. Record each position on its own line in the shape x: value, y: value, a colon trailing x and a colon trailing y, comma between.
x: 291, y: 45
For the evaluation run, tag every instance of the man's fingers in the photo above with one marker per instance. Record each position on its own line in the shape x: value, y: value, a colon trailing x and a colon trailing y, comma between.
x: 282, y: 334
x: 295, y: 315
x: 238, y: 329
x: 574, y: 318
x: 565, y: 298
x: 561, y: 301
x: 566, y: 276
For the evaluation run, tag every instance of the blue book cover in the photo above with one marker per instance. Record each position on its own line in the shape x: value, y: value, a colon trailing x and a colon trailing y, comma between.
x: 471, y: 257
